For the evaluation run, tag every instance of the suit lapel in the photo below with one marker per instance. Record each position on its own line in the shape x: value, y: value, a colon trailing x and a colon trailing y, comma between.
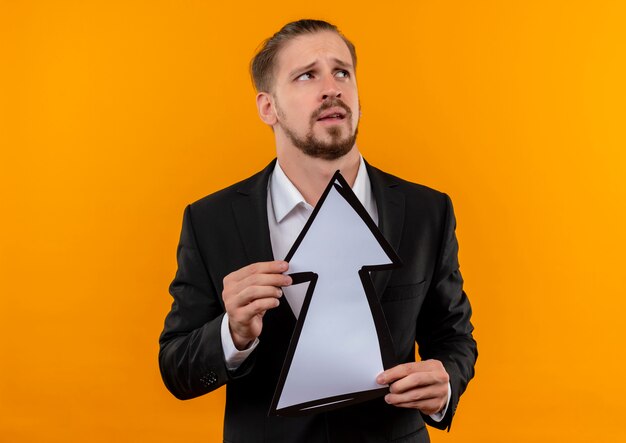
x: 251, y: 217
x: 390, y: 203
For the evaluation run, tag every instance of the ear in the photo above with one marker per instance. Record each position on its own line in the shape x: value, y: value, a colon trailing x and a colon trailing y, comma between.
x: 265, y: 106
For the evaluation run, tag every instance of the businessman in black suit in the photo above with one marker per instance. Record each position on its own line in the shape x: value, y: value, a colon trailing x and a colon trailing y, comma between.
x: 229, y: 323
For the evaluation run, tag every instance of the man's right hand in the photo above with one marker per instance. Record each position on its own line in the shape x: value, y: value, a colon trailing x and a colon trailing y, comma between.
x: 248, y: 293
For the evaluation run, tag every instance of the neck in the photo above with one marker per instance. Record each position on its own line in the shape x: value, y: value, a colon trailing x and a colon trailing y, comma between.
x: 311, y: 175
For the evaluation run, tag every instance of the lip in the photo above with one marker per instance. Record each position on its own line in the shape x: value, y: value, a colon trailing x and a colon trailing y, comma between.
x: 336, y: 110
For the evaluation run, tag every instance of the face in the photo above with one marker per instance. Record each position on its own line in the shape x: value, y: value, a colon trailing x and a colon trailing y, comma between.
x: 315, y: 95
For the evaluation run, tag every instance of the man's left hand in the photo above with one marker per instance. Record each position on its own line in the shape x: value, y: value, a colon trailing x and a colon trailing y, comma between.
x: 420, y: 385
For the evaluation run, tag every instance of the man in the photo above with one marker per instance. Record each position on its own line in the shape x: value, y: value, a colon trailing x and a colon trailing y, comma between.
x: 229, y: 323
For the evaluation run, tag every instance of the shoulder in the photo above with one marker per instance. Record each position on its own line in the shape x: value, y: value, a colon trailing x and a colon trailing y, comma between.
x: 415, y: 194
x: 222, y: 200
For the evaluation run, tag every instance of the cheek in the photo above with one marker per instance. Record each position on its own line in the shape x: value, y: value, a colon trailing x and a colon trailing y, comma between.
x: 353, y: 101
x: 299, y: 120
x: 356, y: 114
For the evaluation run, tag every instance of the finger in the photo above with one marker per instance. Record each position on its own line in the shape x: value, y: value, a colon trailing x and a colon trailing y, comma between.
x: 400, y: 371
x: 257, y: 307
x: 414, y: 380
x: 415, y: 395
x: 236, y: 302
x: 275, y: 280
x: 268, y: 267
x: 395, y: 373
x: 253, y: 293
x: 429, y: 365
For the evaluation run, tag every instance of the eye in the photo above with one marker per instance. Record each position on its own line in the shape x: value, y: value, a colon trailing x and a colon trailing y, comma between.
x: 305, y: 76
x: 343, y: 74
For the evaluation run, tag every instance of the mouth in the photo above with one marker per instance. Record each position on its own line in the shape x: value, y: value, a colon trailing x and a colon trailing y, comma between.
x: 332, y: 116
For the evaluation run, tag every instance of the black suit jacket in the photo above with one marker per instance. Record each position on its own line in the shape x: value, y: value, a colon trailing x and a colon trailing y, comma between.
x: 423, y: 302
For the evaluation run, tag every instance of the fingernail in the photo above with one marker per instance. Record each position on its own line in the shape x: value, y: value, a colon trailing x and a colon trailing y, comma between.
x: 380, y: 380
x: 387, y: 398
x: 284, y: 265
x: 288, y: 281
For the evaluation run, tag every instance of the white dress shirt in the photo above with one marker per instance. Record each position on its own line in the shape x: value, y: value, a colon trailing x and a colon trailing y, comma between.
x: 287, y: 213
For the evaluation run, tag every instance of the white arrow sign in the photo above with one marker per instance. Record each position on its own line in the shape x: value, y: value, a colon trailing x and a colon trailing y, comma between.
x: 341, y: 341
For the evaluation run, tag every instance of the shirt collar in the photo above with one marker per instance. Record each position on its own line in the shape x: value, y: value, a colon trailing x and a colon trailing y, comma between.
x: 285, y: 196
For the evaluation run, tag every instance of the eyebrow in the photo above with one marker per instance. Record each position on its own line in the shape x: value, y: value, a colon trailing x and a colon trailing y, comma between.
x: 302, y: 68
x: 339, y: 62
x: 342, y: 63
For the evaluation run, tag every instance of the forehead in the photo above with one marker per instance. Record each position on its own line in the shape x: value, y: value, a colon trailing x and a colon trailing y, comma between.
x: 309, y: 48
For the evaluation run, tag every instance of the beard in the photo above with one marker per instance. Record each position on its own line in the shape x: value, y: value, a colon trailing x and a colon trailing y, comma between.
x: 312, y: 146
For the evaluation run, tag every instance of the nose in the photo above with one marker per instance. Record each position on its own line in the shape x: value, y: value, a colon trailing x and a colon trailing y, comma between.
x: 330, y: 89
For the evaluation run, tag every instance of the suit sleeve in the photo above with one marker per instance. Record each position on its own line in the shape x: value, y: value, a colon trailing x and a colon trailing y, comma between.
x: 444, y: 330
x: 191, y: 358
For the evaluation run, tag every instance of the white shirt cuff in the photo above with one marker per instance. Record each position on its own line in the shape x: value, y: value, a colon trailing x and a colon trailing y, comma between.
x: 233, y: 357
x: 439, y: 415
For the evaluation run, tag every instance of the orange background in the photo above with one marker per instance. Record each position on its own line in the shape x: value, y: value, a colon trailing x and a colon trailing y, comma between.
x: 116, y: 114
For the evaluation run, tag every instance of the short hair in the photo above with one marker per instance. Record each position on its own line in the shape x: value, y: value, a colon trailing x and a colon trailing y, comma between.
x: 263, y: 64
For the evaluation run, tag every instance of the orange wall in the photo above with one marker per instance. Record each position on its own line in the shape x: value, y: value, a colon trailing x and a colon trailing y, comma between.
x: 116, y: 114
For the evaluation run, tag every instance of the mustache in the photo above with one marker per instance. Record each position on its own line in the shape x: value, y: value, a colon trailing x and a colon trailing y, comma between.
x: 334, y: 103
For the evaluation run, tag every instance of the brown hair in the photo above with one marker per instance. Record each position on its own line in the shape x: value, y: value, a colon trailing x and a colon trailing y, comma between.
x: 263, y: 63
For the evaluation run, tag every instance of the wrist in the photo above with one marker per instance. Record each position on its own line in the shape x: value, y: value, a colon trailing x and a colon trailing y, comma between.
x: 241, y: 342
